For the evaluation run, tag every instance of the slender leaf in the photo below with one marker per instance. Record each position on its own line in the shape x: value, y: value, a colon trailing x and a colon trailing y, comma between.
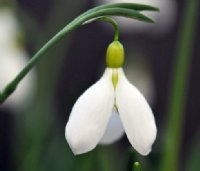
x: 138, y: 7
x: 132, y: 6
x: 117, y: 12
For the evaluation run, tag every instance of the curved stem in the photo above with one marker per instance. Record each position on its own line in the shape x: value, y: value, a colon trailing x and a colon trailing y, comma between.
x: 114, y: 24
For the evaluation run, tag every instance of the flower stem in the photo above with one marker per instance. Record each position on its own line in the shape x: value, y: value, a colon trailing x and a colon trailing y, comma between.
x: 114, y: 24
x: 177, y: 101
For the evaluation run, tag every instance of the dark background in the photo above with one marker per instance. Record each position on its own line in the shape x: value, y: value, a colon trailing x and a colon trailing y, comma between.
x: 71, y: 67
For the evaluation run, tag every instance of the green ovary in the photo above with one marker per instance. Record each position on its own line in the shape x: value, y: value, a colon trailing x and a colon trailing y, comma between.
x: 115, y: 55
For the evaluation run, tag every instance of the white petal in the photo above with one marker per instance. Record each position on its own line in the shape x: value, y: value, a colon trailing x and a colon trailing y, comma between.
x: 114, y: 130
x: 90, y: 115
x: 136, y: 115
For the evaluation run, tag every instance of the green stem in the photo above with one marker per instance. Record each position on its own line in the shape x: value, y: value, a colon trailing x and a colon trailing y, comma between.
x: 114, y: 24
x: 178, y: 93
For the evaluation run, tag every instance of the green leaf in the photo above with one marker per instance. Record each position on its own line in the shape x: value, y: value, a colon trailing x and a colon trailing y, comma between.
x: 133, y: 6
x: 122, y: 12
x: 130, y: 10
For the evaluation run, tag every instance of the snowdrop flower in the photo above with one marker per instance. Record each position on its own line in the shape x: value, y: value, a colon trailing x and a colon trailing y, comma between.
x: 113, y: 96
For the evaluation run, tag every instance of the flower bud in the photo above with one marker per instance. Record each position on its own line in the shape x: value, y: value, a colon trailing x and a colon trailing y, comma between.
x: 115, y: 55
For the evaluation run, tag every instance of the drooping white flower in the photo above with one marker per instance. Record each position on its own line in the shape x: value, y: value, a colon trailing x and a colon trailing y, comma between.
x: 112, y: 97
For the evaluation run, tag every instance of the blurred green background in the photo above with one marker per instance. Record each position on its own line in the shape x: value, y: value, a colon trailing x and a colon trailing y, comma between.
x: 32, y: 122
